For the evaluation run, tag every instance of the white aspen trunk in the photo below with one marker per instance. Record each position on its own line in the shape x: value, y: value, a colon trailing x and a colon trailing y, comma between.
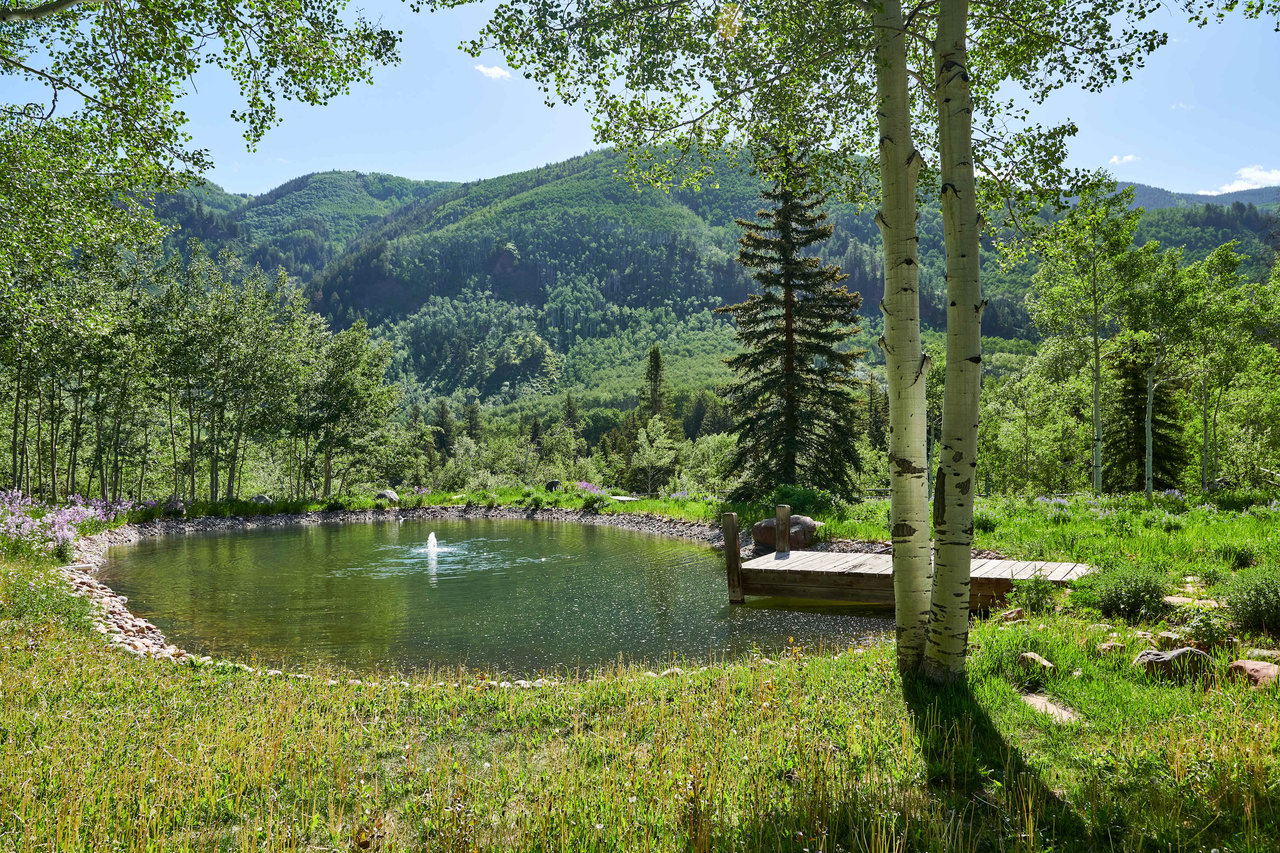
x: 1204, y: 432
x: 905, y: 362
x: 1097, y: 413
x: 1146, y: 460
x: 958, y: 454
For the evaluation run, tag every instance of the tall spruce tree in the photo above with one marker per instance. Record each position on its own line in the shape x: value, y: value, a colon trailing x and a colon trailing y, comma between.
x: 653, y: 379
x: 794, y: 397
x: 1125, y: 434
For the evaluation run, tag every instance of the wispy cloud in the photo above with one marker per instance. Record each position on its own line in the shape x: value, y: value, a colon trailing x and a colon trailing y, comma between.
x: 1117, y: 160
x: 1248, y: 178
x: 1181, y: 106
x: 494, y: 72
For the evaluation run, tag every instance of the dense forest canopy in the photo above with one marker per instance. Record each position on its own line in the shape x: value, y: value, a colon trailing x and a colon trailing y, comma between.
x: 569, y: 254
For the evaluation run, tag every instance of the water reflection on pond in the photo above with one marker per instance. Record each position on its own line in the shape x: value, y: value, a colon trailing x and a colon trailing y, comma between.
x: 515, y: 596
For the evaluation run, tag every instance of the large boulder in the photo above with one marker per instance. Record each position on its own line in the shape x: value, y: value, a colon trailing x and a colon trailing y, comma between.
x: 1175, y: 665
x: 388, y: 495
x: 1256, y: 672
x: 803, y: 531
x: 261, y: 499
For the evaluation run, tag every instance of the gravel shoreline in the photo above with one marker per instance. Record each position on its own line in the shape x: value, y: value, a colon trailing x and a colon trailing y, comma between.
x: 130, y: 633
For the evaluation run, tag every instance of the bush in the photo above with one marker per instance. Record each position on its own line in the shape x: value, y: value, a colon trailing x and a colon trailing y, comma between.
x: 37, y: 595
x: 1237, y: 556
x: 1129, y: 591
x: 1034, y: 595
x: 983, y: 523
x: 1207, y: 627
x: 1237, y: 500
x: 594, y: 503
x: 1253, y: 599
x: 1211, y: 576
x: 811, y: 502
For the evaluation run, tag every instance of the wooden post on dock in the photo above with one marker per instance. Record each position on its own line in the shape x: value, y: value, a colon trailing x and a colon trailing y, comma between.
x: 732, y: 556
x: 783, y: 537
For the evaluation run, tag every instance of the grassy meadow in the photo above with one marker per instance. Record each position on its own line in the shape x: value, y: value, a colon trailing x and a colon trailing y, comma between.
x: 821, y: 750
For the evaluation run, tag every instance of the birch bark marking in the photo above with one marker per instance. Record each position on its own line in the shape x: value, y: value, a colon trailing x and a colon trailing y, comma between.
x: 904, y: 359
x: 957, y: 463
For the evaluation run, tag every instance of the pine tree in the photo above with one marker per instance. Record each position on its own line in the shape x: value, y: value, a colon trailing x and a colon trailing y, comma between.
x: 1125, y: 435
x: 571, y: 420
x: 446, y: 426
x: 794, y: 396
x: 475, y: 421
x: 653, y: 378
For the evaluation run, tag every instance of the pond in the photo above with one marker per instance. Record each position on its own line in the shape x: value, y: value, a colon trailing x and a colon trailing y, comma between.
x: 509, y: 596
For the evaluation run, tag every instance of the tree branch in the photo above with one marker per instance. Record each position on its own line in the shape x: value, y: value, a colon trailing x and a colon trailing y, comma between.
x: 33, y: 13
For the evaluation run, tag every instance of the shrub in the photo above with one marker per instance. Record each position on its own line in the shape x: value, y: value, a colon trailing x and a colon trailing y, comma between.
x: 1253, y: 599
x: 1211, y: 576
x: 594, y: 503
x: 37, y: 595
x: 1237, y: 556
x: 983, y: 523
x: 1207, y: 627
x: 812, y: 502
x: 1034, y: 595
x: 1129, y: 591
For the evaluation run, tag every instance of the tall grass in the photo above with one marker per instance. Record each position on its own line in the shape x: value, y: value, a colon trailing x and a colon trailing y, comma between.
x: 821, y: 751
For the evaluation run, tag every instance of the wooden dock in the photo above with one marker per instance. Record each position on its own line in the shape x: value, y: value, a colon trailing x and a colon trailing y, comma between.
x: 866, y: 578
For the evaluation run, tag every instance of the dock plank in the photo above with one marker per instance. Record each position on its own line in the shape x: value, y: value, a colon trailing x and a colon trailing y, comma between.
x: 868, y: 578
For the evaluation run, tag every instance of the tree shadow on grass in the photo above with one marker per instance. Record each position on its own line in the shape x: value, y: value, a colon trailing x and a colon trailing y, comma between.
x: 980, y: 794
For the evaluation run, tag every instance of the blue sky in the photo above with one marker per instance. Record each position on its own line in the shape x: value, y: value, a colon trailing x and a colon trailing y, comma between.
x: 1201, y: 117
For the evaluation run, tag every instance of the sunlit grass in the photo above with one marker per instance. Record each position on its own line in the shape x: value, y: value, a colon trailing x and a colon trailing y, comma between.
x: 820, y: 751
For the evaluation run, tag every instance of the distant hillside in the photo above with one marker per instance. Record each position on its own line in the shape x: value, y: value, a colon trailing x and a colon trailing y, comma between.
x: 1155, y: 198
x: 301, y: 225
x: 523, y: 282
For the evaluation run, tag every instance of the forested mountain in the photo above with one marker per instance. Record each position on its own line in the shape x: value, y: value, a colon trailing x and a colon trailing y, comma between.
x: 492, y: 288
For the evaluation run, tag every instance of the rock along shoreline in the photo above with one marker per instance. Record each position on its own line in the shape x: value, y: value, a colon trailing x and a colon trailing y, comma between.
x: 130, y: 633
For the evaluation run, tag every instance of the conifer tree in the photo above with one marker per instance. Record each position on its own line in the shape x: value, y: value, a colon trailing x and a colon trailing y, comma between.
x: 1125, y: 434
x: 794, y: 395
x: 653, y: 378
x: 475, y: 421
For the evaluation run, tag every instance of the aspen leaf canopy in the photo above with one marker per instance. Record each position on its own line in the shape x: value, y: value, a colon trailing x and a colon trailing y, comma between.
x: 100, y: 128
x: 680, y: 85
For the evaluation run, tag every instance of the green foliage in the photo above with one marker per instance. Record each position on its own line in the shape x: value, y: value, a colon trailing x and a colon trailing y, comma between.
x: 817, y: 503
x: 1253, y: 599
x: 793, y: 398
x: 1131, y: 591
x: 1207, y: 627
x: 33, y: 593
x: 1034, y: 595
x: 86, y: 171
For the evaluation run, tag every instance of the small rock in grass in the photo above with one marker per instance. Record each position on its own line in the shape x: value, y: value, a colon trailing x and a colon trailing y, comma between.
x: 1045, y: 705
x: 1031, y: 660
x: 651, y: 674
x: 1168, y: 640
x: 523, y: 684
x: 1256, y: 672
x: 675, y: 670
x: 1013, y: 615
x: 541, y: 682
x: 274, y: 672
x: 1177, y: 664
x: 1110, y: 647
x: 1014, y: 622
x: 1264, y: 654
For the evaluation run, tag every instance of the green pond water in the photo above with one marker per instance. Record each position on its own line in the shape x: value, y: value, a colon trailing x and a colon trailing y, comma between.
x: 509, y: 596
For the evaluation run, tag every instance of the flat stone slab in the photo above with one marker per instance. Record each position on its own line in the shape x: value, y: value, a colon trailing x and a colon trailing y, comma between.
x: 1184, y: 601
x: 1045, y: 705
